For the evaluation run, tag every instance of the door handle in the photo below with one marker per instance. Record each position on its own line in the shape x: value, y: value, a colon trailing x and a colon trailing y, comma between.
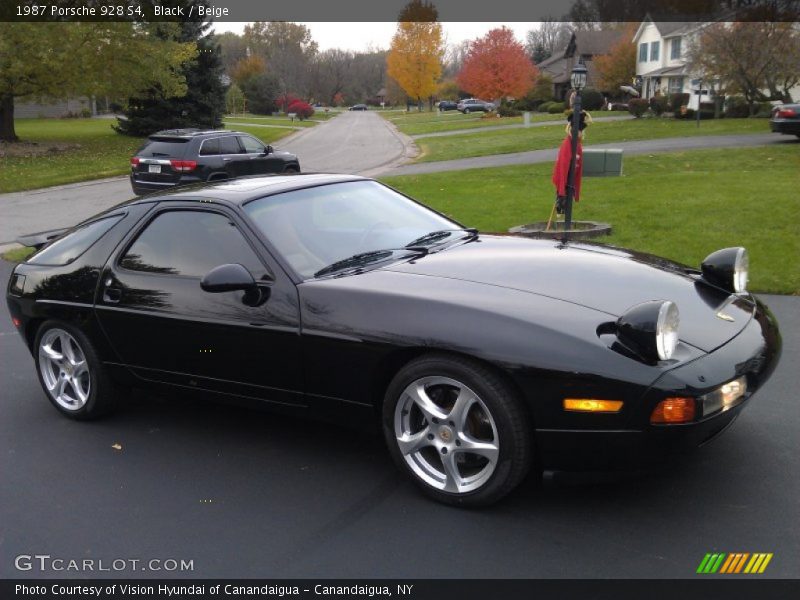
x: 111, y: 295
x: 226, y: 159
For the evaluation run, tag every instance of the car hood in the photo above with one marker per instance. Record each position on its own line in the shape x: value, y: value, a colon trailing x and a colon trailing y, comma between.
x: 604, y: 278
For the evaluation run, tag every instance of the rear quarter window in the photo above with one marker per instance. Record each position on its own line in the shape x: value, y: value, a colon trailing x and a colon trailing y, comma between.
x: 163, y: 149
x: 69, y: 247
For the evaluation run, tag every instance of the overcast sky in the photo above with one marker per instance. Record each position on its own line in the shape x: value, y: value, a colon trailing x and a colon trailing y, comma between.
x: 360, y: 36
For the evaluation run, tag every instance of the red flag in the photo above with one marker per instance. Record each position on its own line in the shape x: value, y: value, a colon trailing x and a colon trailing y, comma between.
x: 561, y: 168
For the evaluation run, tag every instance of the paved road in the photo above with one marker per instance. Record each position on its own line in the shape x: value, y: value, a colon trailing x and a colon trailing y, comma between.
x: 631, y: 148
x: 249, y: 494
x: 563, y: 122
x: 354, y: 142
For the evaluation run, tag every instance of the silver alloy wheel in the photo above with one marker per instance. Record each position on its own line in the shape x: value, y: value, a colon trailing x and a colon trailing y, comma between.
x: 64, y: 369
x: 446, y: 434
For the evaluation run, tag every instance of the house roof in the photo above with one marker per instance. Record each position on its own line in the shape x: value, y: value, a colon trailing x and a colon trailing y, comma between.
x: 669, y: 28
x: 596, y: 42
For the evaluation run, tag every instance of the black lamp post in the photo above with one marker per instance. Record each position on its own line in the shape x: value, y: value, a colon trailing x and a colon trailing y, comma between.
x: 578, y: 80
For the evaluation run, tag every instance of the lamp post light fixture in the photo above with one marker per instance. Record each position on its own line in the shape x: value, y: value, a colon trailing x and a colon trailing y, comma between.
x: 578, y: 80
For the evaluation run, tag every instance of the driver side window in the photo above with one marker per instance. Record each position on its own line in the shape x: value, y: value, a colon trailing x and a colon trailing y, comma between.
x: 190, y: 243
x: 252, y: 146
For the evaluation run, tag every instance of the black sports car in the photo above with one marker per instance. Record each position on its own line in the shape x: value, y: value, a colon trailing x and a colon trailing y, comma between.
x: 338, y: 297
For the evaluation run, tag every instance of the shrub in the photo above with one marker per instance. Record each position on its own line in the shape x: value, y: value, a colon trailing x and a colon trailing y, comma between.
x: 591, y: 99
x: 544, y: 107
x: 283, y: 102
x: 678, y: 100
x: 508, y: 110
x: 763, y: 110
x: 736, y: 107
x: 556, y: 107
x: 260, y: 92
x: 658, y: 104
x: 637, y: 106
x: 302, y: 109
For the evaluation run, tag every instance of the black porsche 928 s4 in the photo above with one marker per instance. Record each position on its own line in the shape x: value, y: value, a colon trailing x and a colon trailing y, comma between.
x: 338, y: 297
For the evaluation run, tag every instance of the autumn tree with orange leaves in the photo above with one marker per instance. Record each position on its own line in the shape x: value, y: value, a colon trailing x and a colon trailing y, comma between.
x: 497, y: 66
x: 618, y: 67
x: 415, y: 57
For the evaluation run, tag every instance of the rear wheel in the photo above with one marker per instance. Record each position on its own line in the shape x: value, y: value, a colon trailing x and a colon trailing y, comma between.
x: 291, y: 170
x: 458, y: 429
x: 71, y: 374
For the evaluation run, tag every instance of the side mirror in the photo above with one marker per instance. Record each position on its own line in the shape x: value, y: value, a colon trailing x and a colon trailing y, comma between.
x: 228, y: 278
x: 269, y: 150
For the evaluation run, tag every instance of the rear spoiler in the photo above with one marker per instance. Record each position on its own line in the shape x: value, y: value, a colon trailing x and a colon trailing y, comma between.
x: 38, y: 240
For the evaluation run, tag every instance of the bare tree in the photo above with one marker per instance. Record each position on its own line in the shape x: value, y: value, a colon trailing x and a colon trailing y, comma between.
x: 759, y: 60
x: 541, y: 44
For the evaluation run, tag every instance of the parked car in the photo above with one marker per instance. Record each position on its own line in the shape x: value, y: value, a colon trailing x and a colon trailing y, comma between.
x: 447, y: 105
x: 181, y: 156
x: 472, y: 105
x: 338, y: 297
x: 358, y: 107
x: 786, y: 119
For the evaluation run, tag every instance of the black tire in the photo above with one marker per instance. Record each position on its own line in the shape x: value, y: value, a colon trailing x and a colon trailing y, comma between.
x: 513, y: 426
x: 291, y: 170
x: 103, y: 396
x: 466, y: 111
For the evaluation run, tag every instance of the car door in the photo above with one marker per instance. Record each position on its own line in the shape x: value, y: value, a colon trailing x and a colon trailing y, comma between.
x: 234, y: 158
x: 261, y: 160
x: 165, y: 328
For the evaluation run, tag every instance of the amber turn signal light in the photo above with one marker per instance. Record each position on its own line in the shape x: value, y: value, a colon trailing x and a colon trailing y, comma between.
x: 592, y: 405
x: 673, y: 410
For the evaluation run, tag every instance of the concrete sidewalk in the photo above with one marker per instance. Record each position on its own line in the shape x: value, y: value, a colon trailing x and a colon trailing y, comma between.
x: 630, y: 148
x: 561, y: 122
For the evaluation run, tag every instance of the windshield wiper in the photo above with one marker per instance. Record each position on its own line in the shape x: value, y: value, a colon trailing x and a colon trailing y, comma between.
x: 364, y: 258
x: 435, y: 236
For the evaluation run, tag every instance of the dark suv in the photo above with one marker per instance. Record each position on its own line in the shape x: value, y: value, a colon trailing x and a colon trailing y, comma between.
x: 181, y: 156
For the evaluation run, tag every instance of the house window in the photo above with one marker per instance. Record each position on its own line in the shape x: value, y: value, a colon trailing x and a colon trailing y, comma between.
x: 675, y: 48
x: 643, y: 52
x: 654, y: 50
x: 675, y: 85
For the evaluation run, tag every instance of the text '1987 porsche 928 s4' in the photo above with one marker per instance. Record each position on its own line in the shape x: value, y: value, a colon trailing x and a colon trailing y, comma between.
x: 338, y: 297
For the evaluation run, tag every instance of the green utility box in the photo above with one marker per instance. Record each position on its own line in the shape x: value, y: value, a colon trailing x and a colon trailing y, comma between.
x: 602, y: 163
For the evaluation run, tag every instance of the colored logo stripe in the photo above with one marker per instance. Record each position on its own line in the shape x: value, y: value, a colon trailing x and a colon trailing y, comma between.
x: 734, y: 562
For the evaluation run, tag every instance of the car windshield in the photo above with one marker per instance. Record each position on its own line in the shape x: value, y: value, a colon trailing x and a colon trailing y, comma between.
x: 316, y: 227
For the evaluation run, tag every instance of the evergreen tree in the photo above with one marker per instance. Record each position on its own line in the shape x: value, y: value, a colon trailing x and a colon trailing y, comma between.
x: 204, y: 103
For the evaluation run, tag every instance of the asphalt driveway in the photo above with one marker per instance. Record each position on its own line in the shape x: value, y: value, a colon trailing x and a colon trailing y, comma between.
x: 251, y: 494
x: 353, y: 142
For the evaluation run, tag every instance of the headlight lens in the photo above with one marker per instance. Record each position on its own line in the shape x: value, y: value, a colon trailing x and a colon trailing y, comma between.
x: 724, y: 397
x: 650, y: 330
x: 740, y: 270
x: 667, y: 330
x: 727, y: 268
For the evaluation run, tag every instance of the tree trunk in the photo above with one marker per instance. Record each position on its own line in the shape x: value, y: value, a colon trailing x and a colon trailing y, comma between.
x: 7, y: 131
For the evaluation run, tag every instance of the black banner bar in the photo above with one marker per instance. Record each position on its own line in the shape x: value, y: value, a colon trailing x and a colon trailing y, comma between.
x: 388, y: 10
x: 728, y: 588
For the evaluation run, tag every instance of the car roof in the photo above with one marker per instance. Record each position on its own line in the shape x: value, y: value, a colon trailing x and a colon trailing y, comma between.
x: 243, y: 189
x: 189, y: 133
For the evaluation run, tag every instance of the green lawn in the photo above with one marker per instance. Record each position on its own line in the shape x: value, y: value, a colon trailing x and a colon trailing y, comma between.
x: 101, y: 153
x: 681, y: 206
x: 414, y: 123
x: 518, y: 140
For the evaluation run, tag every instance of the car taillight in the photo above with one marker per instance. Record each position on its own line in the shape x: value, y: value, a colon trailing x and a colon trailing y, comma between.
x: 135, y: 161
x: 673, y: 410
x: 183, y: 165
x: 786, y: 113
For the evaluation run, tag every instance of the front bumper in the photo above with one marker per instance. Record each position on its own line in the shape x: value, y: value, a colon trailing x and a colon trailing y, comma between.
x: 753, y: 353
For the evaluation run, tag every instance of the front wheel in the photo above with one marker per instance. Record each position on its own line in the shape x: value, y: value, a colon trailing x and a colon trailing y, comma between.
x: 458, y: 429
x: 72, y: 375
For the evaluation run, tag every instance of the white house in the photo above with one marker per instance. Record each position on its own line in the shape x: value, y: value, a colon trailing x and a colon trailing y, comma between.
x: 661, y: 50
